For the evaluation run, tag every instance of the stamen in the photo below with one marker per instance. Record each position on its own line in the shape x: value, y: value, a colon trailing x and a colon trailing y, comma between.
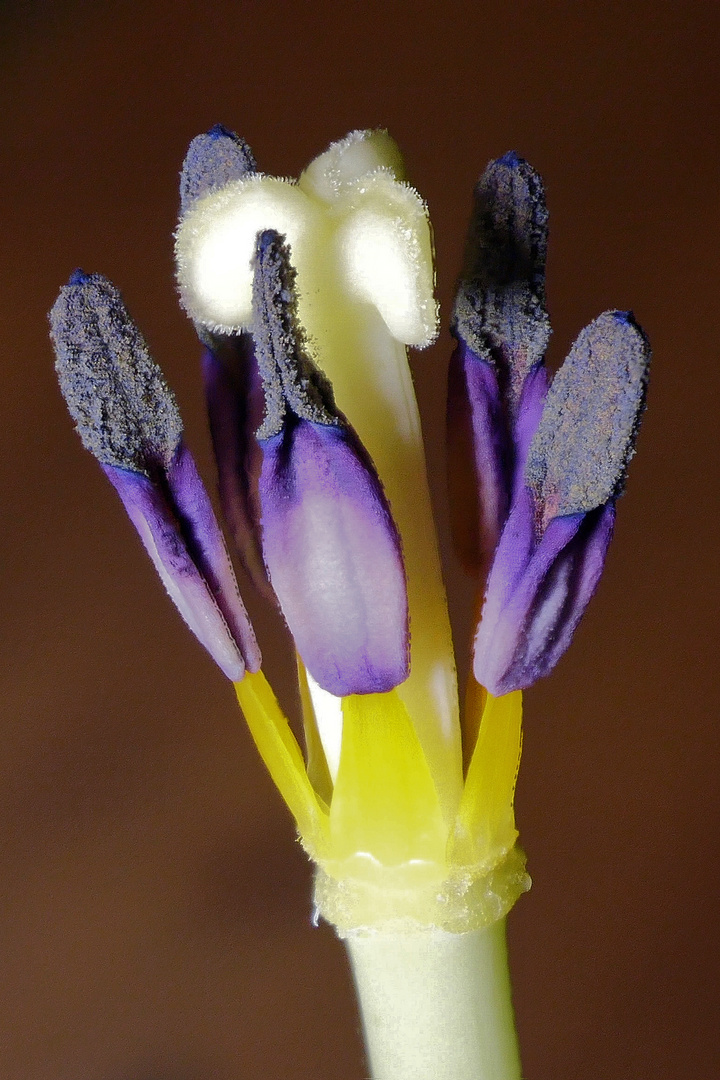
x: 213, y: 160
x: 291, y: 381
x: 123, y: 409
x: 500, y: 305
x: 586, y: 437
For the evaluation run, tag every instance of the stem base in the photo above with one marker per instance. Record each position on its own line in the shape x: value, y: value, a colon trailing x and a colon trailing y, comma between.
x: 436, y: 1005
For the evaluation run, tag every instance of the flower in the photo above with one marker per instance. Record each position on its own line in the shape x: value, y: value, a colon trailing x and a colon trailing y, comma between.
x: 305, y: 296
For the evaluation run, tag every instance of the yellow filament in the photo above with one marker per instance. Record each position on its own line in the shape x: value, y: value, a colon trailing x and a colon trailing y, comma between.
x: 485, y: 826
x: 385, y: 808
x: 279, y: 750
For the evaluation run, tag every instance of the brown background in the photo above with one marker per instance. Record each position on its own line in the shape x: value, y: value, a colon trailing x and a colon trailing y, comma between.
x: 154, y: 908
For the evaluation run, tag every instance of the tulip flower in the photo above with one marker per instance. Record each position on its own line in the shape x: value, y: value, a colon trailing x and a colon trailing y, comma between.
x: 305, y: 296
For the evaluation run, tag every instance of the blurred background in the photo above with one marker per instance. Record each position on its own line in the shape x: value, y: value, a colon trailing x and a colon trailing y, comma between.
x: 154, y: 905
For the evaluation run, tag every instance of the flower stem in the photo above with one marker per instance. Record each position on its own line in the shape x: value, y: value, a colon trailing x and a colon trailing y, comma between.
x: 436, y: 1005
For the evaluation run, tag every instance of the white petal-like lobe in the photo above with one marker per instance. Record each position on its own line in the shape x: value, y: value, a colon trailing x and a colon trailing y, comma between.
x: 215, y: 245
x: 335, y: 173
x: 386, y: 256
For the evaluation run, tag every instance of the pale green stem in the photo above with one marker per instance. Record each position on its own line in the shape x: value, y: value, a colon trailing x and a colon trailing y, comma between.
x: 436, y: 1005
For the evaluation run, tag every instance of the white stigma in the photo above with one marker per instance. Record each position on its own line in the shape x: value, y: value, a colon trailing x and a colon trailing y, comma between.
x: 215, y: 246
x: 348, y: 211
